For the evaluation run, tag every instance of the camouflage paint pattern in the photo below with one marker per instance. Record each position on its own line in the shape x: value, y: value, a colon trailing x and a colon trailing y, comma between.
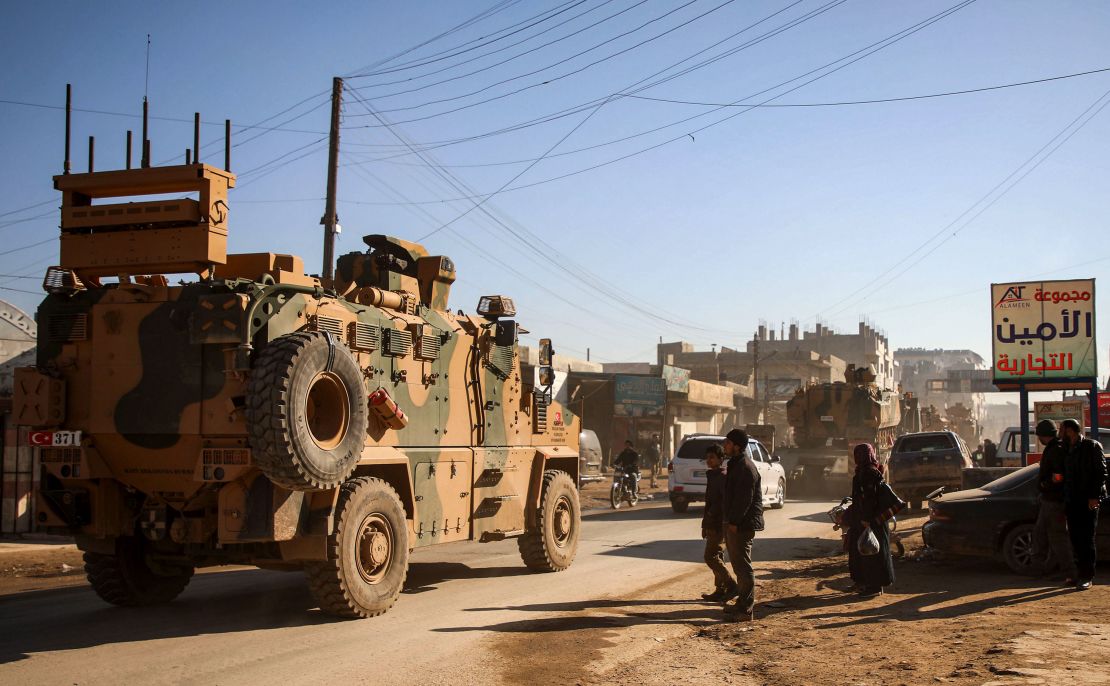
x: 855, y: 410
x: 155, y: 378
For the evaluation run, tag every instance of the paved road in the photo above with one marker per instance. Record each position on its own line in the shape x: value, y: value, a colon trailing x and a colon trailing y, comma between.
x: 252, y: 626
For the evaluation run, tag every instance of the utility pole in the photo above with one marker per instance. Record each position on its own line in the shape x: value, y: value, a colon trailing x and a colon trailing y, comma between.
x: 331, y: 219
x: 755, y: 368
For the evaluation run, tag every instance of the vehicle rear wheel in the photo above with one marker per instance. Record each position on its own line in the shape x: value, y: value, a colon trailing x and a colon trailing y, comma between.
x: 370, y: 546
x: 1019, y: 553
x: 780, y: 497
x: 130, y: 578
x: 306, y: 411
x: 553, y: 543
x: 678, y: 507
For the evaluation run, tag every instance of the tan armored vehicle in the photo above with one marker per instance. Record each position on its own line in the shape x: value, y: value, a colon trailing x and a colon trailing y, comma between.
x: 253, y: 414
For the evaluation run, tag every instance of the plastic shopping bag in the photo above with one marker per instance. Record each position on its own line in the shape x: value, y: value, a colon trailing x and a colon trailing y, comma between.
x: 868, y: 543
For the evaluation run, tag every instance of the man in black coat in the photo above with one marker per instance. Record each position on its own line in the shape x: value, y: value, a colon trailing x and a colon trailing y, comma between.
x: 743, y: 506
x: 713, y: 527
x: 1084, y: 488
x: 1050, y: 535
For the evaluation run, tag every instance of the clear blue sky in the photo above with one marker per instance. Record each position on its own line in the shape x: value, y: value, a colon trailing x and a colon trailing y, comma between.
x: 776, y: 214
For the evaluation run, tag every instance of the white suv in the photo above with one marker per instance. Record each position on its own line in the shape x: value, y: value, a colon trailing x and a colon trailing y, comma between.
x: 686, y: 472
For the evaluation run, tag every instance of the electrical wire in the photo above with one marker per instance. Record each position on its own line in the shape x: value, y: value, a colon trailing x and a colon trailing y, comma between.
x: 553, y: 79
x: 998, y: 191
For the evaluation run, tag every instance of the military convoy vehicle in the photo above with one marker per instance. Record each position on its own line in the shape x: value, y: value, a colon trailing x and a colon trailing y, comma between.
x: 253, y: 414
x: 828, y: 419
x: 849, y: 411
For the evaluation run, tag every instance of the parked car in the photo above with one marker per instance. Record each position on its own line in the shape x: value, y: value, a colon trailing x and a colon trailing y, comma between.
x: 686, y: 472
x: 589, y: 458
x: 920, y: 463
x: 997, y: 520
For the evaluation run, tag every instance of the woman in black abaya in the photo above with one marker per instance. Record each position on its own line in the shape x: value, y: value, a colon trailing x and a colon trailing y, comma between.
x: 870, y: 572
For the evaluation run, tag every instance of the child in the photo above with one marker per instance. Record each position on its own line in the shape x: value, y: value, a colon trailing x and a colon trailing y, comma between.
x: 712, y: 527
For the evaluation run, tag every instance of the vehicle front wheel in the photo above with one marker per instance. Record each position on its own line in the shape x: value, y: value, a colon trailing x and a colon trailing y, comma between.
x: 1018, y: 551
x: 679, y: 506
x: 616, y: 494
x: 780, y: 497
x: 553, y: 542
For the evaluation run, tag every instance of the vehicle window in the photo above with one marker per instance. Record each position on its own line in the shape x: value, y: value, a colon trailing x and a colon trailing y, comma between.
x: 921, y: 444
x: 753, y: 453
x: 694, y: 449
x: 1013, y: 479
x: 762, y: 452
x: 1013, y: 442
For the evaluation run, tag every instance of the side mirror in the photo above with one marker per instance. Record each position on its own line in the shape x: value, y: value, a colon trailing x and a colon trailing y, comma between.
x: 547, y: 353
x: 775, y: 458
x: 505, y: 334
x: 547, y: 376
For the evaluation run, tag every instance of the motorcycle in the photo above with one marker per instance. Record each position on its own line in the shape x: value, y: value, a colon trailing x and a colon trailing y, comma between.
x: 626, y: 488
x: 838, y: 513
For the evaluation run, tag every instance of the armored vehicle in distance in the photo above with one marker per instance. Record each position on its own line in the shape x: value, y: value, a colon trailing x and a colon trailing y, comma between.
x: 258, y: 415
x: 850, y: 411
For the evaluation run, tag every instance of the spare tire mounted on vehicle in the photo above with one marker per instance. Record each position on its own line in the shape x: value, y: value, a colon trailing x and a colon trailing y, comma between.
x: 306, y: 411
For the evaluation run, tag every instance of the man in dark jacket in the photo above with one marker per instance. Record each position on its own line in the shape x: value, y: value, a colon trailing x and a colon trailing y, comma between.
x: 1084, y: 488
x: 713, y: 527
x: 743, y: 515
x: 1050, y: 535
x: 990, y: 453
x: 629, y: 462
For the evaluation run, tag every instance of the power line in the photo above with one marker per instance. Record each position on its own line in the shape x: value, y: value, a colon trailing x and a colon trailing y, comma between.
x: 412, y: 65
x: 560, y: 77
x: 839, y: 306
x: 25, y: 247
x: 29, y: 207
x: 847, y: 60
x: 880, y: 100
x: 504, y: 61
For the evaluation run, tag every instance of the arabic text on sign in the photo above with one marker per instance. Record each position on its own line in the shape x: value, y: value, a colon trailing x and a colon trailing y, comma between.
x: 1047, y: 331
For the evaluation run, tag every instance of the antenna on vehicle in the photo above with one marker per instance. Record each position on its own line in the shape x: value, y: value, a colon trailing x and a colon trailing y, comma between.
x: 146, y: 108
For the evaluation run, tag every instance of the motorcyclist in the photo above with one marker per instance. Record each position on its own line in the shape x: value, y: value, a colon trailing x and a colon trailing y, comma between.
x: 628, y: 461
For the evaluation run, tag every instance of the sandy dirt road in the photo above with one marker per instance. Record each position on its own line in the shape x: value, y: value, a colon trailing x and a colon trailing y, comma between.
x: 627, y: 612
x: 461, y: 602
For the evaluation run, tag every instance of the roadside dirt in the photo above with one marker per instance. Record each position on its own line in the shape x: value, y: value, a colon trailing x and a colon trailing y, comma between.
x: 32, y: 566
x: 956, y: 621
x: 595, y: 496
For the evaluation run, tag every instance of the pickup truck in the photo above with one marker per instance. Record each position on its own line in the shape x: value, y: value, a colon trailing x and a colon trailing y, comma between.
x: 1009, y: 448
x: 920, y: 463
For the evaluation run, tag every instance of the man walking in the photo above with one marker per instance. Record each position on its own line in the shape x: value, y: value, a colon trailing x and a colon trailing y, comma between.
x: 743, y: 504
x: 1084, y: 488
x: 713, y: 529
x: 1050, y: 535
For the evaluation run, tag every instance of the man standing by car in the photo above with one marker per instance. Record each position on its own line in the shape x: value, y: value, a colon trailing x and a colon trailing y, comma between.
x: 1084, y: 488
x: 743, y: 505
x: 654, y: 455
x: 1050, y: 535
x: 990, y: 453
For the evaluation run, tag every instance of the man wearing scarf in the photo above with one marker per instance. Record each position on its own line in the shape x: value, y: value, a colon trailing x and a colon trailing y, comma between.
x: 869, y: 572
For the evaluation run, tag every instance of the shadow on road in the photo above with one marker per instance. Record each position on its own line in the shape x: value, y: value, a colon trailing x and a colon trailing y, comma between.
x: 692, y: 549
x: 214, y: 603
x: 424, y: 576
x: 620, y: 613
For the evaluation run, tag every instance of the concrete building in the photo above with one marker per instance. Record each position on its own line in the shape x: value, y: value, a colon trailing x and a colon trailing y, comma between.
x: 866, y: 347
x: 18, y: 476
x: 925, y: 372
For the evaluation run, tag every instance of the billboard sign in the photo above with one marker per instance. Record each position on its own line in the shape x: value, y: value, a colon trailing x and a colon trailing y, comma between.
x: 1043, y: 330
x: 1059, y: 410
x: 639, y: 396
x: 677, y: 379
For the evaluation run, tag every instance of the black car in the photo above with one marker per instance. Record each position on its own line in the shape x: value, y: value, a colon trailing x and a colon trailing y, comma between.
x: 921, y: 463
x: 997, y: 520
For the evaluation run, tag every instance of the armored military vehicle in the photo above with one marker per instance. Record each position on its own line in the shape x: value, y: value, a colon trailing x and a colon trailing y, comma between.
x: 852, y: 411
x: 253, y: 414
